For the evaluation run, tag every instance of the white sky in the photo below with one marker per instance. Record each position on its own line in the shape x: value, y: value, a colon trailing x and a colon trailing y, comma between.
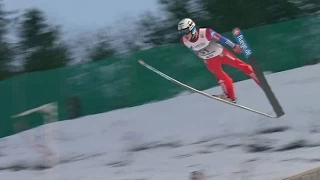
x: 84, y: 15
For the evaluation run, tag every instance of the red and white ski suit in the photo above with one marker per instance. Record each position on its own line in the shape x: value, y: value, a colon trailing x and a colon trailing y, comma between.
x: 208, y: 47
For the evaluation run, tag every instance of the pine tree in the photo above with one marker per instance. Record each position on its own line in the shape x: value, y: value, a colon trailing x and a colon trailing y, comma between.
x: 40, y: 43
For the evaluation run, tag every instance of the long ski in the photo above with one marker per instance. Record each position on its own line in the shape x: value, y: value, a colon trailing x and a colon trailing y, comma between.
x: 247, y: 52
x: 201, y: 92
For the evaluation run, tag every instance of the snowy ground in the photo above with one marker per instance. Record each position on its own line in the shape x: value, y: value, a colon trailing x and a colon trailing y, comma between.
x: 166, y: 140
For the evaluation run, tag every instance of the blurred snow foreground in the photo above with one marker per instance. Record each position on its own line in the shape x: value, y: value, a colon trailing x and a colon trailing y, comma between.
x: 169, y: 139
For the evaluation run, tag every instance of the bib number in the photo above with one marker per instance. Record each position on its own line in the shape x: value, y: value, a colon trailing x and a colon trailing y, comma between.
x: 205, y: 53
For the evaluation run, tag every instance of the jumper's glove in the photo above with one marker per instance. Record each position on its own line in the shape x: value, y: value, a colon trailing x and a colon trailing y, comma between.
x: 237, y: 49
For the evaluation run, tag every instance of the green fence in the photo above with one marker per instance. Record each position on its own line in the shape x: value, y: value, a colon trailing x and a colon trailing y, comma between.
x: 120, y: 81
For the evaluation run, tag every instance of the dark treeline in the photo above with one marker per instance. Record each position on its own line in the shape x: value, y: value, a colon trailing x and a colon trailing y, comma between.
x: 28, y: 42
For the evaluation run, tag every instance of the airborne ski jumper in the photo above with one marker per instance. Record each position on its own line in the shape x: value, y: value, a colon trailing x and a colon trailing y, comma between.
x: 207, y: 44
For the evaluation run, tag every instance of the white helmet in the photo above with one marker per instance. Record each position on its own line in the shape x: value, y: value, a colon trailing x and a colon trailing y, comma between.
x: 187, y: 25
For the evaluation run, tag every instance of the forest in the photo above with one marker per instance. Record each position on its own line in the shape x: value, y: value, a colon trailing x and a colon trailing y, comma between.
x: 29, y: 42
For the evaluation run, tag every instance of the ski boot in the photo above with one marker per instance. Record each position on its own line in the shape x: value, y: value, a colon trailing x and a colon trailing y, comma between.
x: 224, y: 96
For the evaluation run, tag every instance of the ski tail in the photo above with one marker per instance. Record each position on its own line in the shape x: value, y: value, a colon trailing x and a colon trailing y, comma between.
x: 201, y: 92
x: 247, y: 52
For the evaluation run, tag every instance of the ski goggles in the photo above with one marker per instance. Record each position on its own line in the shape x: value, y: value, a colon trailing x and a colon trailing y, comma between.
x: 184, y: 31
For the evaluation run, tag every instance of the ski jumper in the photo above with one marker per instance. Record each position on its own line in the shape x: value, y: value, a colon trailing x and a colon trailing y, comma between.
x: 208, y: 47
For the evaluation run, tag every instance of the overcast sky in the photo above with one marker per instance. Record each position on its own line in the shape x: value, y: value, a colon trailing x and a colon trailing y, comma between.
x: 84, y: 15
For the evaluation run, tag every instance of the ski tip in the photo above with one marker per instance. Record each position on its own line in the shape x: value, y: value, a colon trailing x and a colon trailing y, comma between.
x: 141, y: 61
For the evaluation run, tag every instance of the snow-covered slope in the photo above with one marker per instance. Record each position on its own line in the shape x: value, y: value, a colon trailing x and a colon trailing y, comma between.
x: 168, y: 139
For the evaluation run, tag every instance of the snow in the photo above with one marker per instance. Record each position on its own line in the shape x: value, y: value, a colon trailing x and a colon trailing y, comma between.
x: 168, y: 139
